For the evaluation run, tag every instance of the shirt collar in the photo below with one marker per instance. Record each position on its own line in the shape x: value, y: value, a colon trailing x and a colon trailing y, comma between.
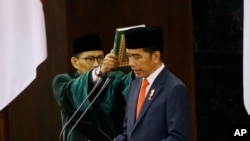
x: 153, y: 75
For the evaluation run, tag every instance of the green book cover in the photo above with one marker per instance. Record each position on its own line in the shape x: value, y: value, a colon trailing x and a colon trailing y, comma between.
x: 119, y: 48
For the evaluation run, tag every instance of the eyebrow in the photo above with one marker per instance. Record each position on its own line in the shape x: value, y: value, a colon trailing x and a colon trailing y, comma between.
x: 95, y: 56
x: 133, y: 54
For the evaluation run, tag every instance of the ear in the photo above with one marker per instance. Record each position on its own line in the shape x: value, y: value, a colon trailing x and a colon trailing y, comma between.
x: 74, y: 62
x: 156, y: 56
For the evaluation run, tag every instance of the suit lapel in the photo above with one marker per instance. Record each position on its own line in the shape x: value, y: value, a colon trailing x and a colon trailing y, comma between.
x: 152, y: 94
x: 134, y: 93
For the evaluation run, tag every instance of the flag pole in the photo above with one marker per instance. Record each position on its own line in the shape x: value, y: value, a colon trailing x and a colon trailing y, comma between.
x: 4, y: 126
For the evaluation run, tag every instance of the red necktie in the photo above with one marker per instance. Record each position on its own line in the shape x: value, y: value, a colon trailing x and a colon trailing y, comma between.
x: 141, y: 96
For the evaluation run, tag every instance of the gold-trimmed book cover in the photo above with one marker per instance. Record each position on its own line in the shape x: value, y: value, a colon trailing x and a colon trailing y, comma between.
x: 119, y: 48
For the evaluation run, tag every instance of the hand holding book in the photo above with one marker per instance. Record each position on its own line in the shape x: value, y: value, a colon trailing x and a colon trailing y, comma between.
x: 110, y: 63
x: 119, y: 48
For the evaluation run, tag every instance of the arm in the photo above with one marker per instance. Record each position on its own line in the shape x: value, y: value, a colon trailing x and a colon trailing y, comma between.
x: 69, y: 92
x: 80, y: 89
x: 178, y: 115
x: 61, y: 85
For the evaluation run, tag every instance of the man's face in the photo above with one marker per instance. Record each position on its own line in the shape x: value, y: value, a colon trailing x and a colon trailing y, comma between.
x: 87, y: 60
x: 143, y: 63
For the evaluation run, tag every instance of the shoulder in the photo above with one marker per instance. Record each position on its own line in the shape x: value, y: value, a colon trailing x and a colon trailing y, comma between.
x: 62, y: 78
x: 170, y: 79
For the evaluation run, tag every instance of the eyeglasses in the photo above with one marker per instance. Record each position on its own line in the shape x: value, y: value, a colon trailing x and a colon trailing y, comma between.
x: 91, y: 60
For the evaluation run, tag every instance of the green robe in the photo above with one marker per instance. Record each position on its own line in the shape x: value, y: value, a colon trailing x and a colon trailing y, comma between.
x: 106, y: 113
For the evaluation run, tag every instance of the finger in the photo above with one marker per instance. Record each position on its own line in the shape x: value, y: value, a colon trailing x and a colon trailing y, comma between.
x: 111, y: 57
x: 112, y: 51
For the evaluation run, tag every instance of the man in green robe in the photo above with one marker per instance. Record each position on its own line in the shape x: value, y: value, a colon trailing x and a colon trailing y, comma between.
x: 107, y: 112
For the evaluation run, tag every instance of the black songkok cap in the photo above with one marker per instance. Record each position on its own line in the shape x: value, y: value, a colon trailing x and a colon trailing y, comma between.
x: 87, y: 43
x: 143, y: 37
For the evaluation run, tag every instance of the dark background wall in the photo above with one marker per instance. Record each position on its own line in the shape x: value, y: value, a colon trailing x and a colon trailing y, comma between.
x: 218, y: 39
x: 34, y: 115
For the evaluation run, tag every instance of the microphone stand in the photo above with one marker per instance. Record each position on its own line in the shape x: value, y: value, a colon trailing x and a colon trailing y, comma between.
x: 83, y: 102
x: 91, y: 103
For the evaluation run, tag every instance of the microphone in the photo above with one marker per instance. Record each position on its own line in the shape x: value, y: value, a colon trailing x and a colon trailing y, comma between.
x: 109, y: 78
x: 79, y: 107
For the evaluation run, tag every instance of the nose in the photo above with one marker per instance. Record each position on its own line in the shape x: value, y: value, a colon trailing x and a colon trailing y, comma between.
x: 95, y: 63
x: 131, y: 62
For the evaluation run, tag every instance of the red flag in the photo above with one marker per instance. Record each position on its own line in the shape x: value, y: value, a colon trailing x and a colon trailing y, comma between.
x: 22, y: 46
x: 246, y: 55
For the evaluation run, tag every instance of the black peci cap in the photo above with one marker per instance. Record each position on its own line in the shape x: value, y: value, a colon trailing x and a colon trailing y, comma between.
x: 87, y: 43
x: 143, y: 37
